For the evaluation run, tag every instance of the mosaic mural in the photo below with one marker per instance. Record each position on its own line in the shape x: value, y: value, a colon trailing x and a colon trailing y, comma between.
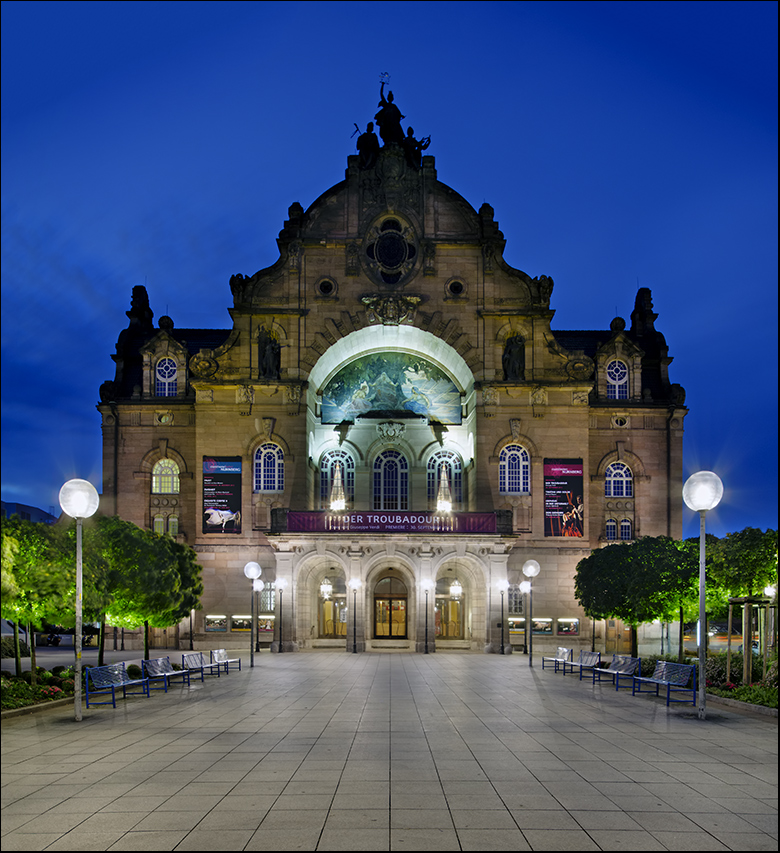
x: 391, y: 382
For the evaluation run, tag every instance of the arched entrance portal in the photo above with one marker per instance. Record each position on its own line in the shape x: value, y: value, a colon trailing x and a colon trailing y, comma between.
x: 390, y: 609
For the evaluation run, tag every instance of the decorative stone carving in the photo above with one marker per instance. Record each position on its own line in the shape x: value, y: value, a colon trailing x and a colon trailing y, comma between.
x: 390, y: 310
x: 353, y: 259
x: 245, y: 394
x: 204, y: 395
x: 579, y: 398
x: 489, y: 395
x: 390, y: 432
x: 539, y: 396
x: 202, y: 365
x: 580, y: 368
x: 514, y: 425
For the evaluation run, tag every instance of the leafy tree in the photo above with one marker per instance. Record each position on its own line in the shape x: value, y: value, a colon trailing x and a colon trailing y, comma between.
x: 743, y: 563
x: 637, y: 582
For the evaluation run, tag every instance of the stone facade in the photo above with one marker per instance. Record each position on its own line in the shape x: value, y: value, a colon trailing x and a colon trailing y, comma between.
x: 392, y: 339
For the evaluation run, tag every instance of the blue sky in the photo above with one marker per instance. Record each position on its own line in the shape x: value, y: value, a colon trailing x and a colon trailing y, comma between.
x: 620, y: 144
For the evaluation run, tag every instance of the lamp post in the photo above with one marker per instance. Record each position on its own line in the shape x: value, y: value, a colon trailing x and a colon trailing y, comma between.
x: 427, y: 587
x: 253, y: 571
x: 281, y: 585
x: 257, y: 586
x: 503, y: 586
x: 354, y: 585
x: 702, y: 492
x: 79, y: 499
x: 530, y: 569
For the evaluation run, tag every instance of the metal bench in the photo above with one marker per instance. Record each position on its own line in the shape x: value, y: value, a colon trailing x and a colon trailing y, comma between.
x: 561, y: 655
x: 161, y: 668
x: 196, y: 662
x: 105, y: 679
x: 586, y: 660
x: 673, y: 676
x: 219, y: 656
x: 619, y: 665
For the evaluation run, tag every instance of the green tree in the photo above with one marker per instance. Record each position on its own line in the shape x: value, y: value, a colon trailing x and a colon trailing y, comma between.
x: 637, y: 582
x: 743, y: 563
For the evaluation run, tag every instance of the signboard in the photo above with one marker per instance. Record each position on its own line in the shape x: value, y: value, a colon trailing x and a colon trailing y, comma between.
x: 222, y: 494
x: 564, y: 510
x: 380, y: 521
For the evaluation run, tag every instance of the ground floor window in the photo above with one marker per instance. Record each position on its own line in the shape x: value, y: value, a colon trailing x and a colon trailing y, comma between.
x: 450, y: 610
x: 333, y: 608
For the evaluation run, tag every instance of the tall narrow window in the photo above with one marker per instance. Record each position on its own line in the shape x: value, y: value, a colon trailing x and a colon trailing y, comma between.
x: 611, y: 529
x: 165, y: 375
x: 625, y: 530
x: 165, y: 478
x: 269, y: 468
x: 328, y: 464
x: 618, y: 481
x: 514, y: 471
x: 617, y: 381
x: 451, y: 461
x: 391, y: 481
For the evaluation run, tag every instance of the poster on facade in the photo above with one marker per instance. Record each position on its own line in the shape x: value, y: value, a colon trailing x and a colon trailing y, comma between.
x: 378, y: 521
x: 564, y: 510
x: 221, y: 494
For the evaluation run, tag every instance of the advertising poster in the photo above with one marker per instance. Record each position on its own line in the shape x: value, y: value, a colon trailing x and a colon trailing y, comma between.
x: 564, y: 510
x: 221, y: 494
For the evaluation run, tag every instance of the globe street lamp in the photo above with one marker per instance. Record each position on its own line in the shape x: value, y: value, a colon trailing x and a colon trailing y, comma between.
x: 427, y: 587
x: 354, y: 585
x: 503, y: 586
x: 525, y: 588
x: 281, y: 585
x: 702, y: 492
x: 530, y: 569
x: 253, y: 571
x: 79, y: 499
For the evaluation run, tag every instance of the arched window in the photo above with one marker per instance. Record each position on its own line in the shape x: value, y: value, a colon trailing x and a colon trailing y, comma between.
x: 451, y: 461
x: 159, y: 524
x: 269, y: 468
x: 618, y: 481
x: 514, y: 471
x: 611, y: 529
x: 328, y: 464
x: 165, y: 375
x: 391, y: 481
x: 173, y: 525
x: 165, y: 478
x: 617, y: 380
x: 626, y: 532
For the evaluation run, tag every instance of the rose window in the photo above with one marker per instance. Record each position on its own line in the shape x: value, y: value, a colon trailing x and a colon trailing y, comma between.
x: 391, y: 251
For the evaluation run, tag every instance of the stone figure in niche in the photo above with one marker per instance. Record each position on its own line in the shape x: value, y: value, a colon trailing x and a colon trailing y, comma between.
x: 270, y: 353
x: 389, y: 118
x: 513, y: 359
x: 414, y: 149
x: 368, y: 147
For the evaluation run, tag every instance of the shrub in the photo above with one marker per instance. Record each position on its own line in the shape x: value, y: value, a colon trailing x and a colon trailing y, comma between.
x: 134, y: 671
x: 7, y: 648
x: 59, y: 669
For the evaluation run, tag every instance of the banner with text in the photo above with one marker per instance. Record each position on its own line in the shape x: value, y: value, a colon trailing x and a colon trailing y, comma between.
x: 564, y: 511
x: 380, y: 521
x: 221, y: 494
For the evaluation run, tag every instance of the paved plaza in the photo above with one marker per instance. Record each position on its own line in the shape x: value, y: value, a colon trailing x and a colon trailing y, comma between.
x: 390, y: 751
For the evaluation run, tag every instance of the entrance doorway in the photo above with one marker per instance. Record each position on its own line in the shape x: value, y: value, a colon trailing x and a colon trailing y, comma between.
x: 390, y: 600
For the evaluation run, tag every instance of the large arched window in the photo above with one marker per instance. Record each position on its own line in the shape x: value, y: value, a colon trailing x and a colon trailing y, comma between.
x: 165, y: 378
x: 617, y: 380
x: 618, y: 481
x: 331, y: 460
x: 611, y: 529
x: 626, y: 529
x: 391, y: 481
x: 514, y: 471
x: 165, y: 477
x: 269, y: 468
x: 451, y: 461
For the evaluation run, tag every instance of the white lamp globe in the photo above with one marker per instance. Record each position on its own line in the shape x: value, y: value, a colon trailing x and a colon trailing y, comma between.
x: 281, y: 583
x: 252, y: 570
x: 79, y: 499
x: 525, y: 587
x: 257, y: 585
x: 531, y: 568
x: 702, y: 491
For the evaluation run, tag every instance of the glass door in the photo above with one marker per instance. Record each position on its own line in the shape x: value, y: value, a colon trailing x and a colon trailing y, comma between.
x: 390, y: 609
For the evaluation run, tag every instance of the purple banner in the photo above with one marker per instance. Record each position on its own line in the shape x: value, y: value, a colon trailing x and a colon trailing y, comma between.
x: 380, y: 521
x: 563, y: 507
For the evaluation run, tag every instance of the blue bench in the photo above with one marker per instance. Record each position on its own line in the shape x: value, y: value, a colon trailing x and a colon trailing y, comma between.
x: 161, y: 668
x: 586, y: 660
x: 673, y: 676
x: 105, y: 679
x: 219, y: 656
x: 562, y: 655
x: 619, y: 665
x: 196, y: 662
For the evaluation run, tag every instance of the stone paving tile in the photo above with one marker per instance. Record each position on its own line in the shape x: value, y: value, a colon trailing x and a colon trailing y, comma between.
x: 309, y: 752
